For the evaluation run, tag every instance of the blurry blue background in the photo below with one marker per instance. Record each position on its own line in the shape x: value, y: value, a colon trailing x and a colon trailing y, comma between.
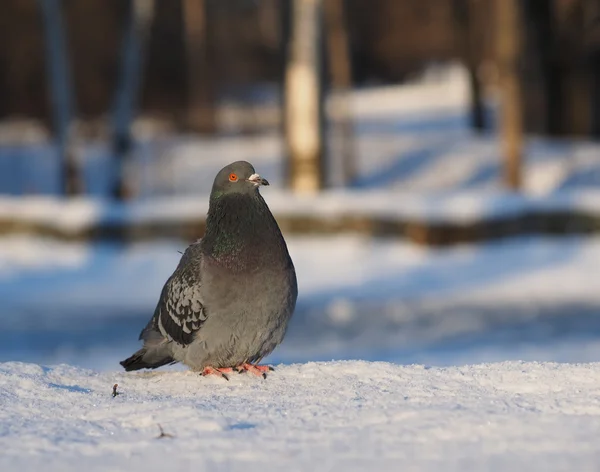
x: 438, y: 189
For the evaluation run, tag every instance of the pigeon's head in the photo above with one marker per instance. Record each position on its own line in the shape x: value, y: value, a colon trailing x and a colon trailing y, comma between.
x: 238, y: 177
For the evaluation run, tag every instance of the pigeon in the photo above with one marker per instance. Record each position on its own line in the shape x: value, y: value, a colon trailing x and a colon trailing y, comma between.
x: 228, y: 303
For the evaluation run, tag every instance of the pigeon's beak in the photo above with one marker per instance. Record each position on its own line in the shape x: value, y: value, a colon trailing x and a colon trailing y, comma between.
x: 257, y: 180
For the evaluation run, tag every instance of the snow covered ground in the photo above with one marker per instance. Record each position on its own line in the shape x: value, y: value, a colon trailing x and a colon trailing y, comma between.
x: 335, y: 416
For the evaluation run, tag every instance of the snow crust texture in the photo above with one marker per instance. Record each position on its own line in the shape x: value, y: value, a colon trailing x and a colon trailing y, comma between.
x: 333, y: 416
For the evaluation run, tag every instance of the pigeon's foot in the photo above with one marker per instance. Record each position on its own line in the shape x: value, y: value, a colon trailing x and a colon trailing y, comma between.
x: 260, y: 370
x: 222, y: 372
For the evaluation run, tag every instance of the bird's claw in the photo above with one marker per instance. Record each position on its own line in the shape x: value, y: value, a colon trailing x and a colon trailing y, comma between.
x: 260, y: 370
x: 221, y: 372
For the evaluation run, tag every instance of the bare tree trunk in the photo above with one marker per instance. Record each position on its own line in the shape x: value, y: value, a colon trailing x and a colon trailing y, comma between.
x: 137, y: 28
x: 592, y: 23
x: 472, y: 35
x: 341, y: 84
x: 573, y: 34
x: 595, y: 80
x: 303, y: 95
x: 543, y: 62
x: 139, y: 20
x: 201, y: 110
x: 61, y: 96
x: 508, y: 46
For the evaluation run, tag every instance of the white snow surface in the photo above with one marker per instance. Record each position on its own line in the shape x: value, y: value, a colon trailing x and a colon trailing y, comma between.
x: 332, y: 416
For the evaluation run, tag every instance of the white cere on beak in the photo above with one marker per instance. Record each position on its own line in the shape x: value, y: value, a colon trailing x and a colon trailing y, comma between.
x: 257, y: 180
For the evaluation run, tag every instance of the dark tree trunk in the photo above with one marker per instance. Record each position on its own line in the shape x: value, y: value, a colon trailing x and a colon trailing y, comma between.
x: 595, y: 72
x: 136, y: 30
x: 201, y: 107
x: 471, y: 34
x: 61, y: 96
x: 543, y: 54
x: 338, y: 53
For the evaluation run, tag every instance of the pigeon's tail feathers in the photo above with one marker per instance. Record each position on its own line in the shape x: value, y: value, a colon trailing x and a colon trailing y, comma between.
x: 155, y: 353
x: 145, y: 359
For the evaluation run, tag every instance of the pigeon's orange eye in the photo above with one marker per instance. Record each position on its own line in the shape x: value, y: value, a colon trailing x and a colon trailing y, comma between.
x: 233, y: 177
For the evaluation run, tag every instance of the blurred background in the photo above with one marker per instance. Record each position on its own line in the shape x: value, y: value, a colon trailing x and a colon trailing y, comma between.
x: 434, y: 167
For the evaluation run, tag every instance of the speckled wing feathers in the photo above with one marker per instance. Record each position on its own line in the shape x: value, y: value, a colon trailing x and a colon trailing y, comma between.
x: 180, y: 312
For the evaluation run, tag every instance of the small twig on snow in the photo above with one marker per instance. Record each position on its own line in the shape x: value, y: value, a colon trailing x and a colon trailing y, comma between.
x: 162, y: 433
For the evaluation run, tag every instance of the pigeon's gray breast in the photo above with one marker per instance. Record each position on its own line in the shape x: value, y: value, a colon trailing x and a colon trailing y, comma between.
x: 247, y: 314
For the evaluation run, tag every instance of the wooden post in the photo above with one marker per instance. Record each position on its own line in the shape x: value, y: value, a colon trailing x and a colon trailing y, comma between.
x: 508, y: 45
x: 303, y: 92
x: 341, y: 84
x: 61, y: 94
x: 201, y: 108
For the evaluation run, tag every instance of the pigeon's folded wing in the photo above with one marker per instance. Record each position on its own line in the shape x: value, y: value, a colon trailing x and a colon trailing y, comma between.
x: 180, y: 312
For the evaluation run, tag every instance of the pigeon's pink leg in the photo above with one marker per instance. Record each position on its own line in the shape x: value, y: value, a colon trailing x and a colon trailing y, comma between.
x: 260, y: 370
x: 221, y: 372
